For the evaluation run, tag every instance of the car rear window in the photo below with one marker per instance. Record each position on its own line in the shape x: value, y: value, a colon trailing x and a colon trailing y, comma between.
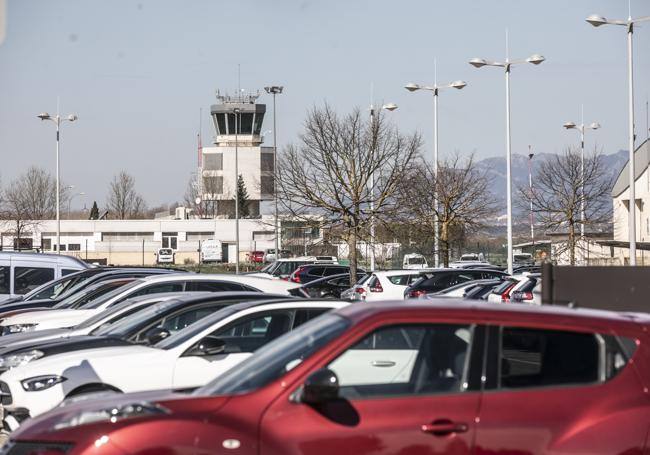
x: 402, y: 280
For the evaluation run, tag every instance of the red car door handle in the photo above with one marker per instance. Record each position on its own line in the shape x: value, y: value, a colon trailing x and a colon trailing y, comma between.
x: 444, y: 427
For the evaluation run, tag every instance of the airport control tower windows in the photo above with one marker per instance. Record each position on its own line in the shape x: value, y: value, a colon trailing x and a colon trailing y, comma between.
x: 258, y: 123
x: 221, y: 124
x: 246, y: 120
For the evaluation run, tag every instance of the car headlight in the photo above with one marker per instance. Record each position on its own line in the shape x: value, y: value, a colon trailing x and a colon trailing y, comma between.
x: 112, y: 414
x: 18, y: 328
x: 38, y: 383
x: 22, y: 358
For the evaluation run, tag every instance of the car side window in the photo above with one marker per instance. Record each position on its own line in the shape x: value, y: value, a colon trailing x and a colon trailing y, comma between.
x: 329, y: 271
x: 535, y: 358
x: 4, y: 279
x: 316, y: 271
x: 405, y: 360
x: 158, y: 288
x: 212, y: 286
x: 305, y: 314
x: 178, y: 320
x: 251, y: 332
x: 27, y: 279
x: 342, y: 281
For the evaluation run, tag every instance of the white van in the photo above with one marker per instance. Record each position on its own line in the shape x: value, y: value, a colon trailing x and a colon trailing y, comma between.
x: 21, y: 273
x: 211, y: 251
x: 414, y: 261
x: 165, y: 256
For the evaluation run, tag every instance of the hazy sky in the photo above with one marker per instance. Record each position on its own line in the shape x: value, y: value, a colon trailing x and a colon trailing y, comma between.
x: 137, y: 72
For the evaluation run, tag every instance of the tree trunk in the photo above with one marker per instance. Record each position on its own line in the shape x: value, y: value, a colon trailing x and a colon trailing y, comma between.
x: 444, y: 243
x: 572, y: 243
x: 352, y: 255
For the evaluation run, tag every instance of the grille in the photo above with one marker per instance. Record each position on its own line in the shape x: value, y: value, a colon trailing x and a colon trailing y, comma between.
x: 5, y: 394
x: 34, y: 448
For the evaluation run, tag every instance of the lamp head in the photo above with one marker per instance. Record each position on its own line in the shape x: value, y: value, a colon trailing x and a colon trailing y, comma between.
x: 274, y: 89
x: 44, y: 116
x: 389, y: 106
x: 594, y: 126
x: 478, y: 62
x: 72, y: 117
x: 197, y: 201
x: 596, y: 20
x: 535, y: 59
x: 569, y: 125
x: 411, y: 87
x: 458, y: 84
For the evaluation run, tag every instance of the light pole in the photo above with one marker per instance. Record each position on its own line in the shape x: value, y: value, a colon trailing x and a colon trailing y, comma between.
x: 57, y: 119
x: 581, y: 128
x: 530, y: 189
x: 236, y: 112
x: 389, y: 107
x: 435, y: 88
x: 70, y: 201
x: 275, y: 90
x: 535, y: 59
x: 597, y: 21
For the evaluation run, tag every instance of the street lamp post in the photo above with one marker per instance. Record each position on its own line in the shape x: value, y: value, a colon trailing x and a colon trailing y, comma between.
x: 581, y: 128
x: 57, y: 119
x: 70, y: 201
x: 597, y: 21
x: 389, y: 107
x: 530, y: 190
x: 535, y: 59
x: 275, y: 90
x: 236, y: 112
x: 435, y: 88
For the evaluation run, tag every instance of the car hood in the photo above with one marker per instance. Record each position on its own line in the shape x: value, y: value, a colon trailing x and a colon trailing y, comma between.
x: 31, y: 337
x: 51, y: 319
x: 66, y: 345
x: 43, y: 427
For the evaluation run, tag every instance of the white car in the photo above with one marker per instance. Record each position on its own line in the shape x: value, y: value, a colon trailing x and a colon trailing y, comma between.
x: 414, y: 261
x: 387, y: 285
x: 283, y: 268
x: 189, y: 358
x: 105, y: 318
x: 182, y: 282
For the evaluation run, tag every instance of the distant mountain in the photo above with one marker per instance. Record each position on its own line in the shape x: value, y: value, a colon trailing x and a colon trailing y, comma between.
x: 495, y: 168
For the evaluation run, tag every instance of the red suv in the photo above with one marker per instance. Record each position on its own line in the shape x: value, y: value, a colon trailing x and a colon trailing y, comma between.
x: 401, y: 378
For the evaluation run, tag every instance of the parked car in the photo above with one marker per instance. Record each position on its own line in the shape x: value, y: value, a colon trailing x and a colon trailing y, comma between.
x: 439, y: 279
x: 472, y: 377
x: 501, y: 293
x: 330, y: 287
x: 57, y: 290
x: 525, y: 259
x: 526, y: 268
x: 256, y: 257
x: 414, y: 261
x: 21, y: 273
x: 270, y: 256
x: 187, y: 282
x: 482, y: 289
x: 528, y: 290
x: 310, y: 272
x: 165, y: 256
x: 461, y: 289
x: 381, y: 285
x: 186, y: 359
x: 283, y: 268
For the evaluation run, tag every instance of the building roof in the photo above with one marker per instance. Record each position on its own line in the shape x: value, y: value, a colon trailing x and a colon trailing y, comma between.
x: 641, y: 163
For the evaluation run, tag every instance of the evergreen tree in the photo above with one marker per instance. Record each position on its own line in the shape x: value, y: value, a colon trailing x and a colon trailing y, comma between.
x: 243, y: 198
x: 94, y: 211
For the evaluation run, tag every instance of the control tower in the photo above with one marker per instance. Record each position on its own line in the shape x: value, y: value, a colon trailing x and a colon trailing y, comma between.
x: 255, y: 162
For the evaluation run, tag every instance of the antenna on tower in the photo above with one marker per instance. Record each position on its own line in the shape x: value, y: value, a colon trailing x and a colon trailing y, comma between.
x: 238, y: 79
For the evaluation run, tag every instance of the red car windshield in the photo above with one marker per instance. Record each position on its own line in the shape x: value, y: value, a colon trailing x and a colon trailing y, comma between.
x: 278, y: 357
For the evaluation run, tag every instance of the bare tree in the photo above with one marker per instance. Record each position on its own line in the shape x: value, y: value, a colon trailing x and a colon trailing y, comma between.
x: 464, y: 200
x: 29, y: 199
x: 558, y: 195
x: 327, y: 175
x: 123, y: 200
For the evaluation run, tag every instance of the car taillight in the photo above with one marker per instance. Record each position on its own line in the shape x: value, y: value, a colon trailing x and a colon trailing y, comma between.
x: 505, y: 297
x: 360, y: 291
x: 377, y: 287
x: 520, y: 296
x: 295, y: 278
x: 416, y: 293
